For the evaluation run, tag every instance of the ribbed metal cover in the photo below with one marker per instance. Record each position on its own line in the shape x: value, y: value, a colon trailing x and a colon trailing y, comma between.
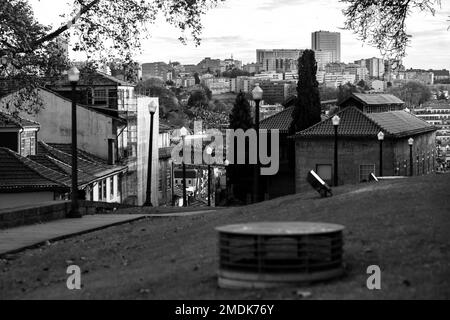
x: 278, y: 254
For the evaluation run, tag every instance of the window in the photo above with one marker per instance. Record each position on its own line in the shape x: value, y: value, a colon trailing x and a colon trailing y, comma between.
x: 99, y: 96
x: 104, y: 189
x: 325, y: 172
x: 364, y: 172
x: 111, y: 187
x: 91, y: 192
x: 100, y: 191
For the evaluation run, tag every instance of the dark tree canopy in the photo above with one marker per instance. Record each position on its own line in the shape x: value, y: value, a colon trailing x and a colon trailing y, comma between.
x: 346, y: 90
x: 307, y: 109
x: 241, y: 117
x: 413, y: 93
x: 382, y: 23
x: 103, y: 30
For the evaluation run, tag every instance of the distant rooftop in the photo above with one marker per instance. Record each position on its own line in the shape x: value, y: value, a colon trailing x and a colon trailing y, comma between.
x: 355, y: 123
x: 377, y: 99
x: 281, y: 121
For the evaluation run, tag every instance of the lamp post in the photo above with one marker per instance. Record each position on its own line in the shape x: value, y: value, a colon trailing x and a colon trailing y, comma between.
x: 226, y: 163
x: 381, y: 138
x: 74, y: 76
x: 152, y: 107
x: 336, y: 121
x: 257, y: 94
x: 209, y: 153
x: 184, y: 133
x: 411, y: 142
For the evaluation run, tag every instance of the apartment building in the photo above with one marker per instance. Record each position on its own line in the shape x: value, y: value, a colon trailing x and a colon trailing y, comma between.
x: 329, y: 42
x: 278, y: 60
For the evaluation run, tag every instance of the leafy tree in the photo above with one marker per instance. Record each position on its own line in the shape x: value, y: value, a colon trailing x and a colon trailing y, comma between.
x: 102, y: 29
x: 362, y: 84
x: 168, y: 101
x: 328, y: 93
x: 198, y: 99
x: 346, y: 90
x: 413, y: 93
x: 234, y: 73
x: 128, y: 71
x: 197, y: 79
x: 241, y: 175
x: 382, y: 23
x: 241, y: 117
x: 307, y: 109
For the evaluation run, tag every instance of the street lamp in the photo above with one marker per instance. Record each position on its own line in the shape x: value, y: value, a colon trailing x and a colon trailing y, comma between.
x: 411, y: 142
x: 381, y: 138
x: 74, y: 76
x: 227, y: 163
x: 152, y: 107
x: 257, y: 94
x: 184, y: 133
x: 336, y: 121
x: 209, y: 153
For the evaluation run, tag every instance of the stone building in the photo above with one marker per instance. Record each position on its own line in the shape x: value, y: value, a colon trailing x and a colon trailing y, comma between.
x: 359, y: 148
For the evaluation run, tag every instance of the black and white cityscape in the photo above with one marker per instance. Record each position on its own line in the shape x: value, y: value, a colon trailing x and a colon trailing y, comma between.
x: 224, y: 150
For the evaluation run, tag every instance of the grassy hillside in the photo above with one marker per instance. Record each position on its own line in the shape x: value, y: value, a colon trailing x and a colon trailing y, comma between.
x: 402, y: 226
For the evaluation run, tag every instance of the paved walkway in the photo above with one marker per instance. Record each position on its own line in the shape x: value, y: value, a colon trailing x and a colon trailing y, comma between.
x: 16, y: 239
x: 181, y: 214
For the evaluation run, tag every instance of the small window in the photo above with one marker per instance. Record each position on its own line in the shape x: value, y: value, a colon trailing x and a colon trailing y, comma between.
x: 100, y: 191
x: 99, y: 96
x: 104, y: 189
x: 325, y: 172
x: 364, y: 172
x: 111, y: 187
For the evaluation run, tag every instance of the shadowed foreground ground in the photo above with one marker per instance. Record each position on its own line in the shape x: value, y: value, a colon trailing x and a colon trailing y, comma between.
x: 403, y: 226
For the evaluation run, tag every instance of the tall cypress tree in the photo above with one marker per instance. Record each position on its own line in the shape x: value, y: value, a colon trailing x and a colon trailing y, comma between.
x: 240, y: 117
x: 307, y: 109
x: 240, y: 176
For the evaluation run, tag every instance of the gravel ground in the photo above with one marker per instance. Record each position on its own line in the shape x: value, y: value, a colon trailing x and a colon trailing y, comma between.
x: 402, y: 226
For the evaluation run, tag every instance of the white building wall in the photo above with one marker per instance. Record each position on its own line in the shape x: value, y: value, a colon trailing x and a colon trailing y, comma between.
x: 143, y: 136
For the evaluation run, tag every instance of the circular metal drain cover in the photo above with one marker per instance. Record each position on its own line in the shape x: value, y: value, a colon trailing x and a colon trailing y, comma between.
x: 269, y: 254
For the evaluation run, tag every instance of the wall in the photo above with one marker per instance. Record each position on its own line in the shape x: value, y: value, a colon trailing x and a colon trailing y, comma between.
x: 355, y: 152
x: 424, y: 154
x: 11, y: 200
x: 93, y: 128
x: 48, y: 211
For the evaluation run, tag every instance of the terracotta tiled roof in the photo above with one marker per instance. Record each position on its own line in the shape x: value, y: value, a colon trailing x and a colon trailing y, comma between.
x: 400, y: 122
x: 8, y: 120
x: 281, y: 121
x: 355, y: 123
x: 89, y: 169
x: 18, y: 173
x: 377, y: 99
x: 67, y: 148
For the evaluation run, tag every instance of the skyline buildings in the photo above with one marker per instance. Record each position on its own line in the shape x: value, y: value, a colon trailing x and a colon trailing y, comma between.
x: 278, y: 60
x: 327, y: 41
x: 220, y: 38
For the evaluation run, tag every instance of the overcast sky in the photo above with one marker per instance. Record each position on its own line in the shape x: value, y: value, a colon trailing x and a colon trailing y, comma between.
x: 239, y: 27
